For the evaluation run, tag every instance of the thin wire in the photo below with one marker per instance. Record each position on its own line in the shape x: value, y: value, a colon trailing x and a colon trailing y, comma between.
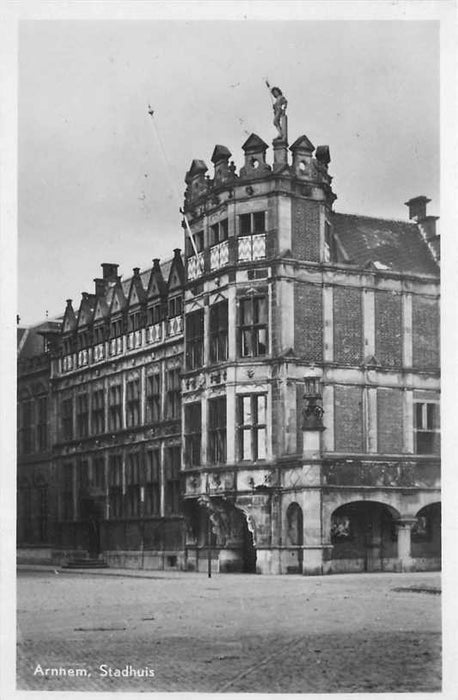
x: 172, y: 183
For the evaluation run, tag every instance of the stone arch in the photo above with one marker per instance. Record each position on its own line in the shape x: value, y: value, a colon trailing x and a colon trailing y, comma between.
x: 426, y: 536
x: 363, y: 535
x: 391, y: 501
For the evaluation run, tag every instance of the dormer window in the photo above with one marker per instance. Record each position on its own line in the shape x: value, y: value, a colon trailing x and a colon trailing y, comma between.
x: 174, y: 307
x: 252, y: 223
x: 116, y: 328
x: 135, y: 321
x: 154, y: 314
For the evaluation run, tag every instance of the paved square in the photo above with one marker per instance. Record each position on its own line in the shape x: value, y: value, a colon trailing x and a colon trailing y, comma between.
x: 234, y: 633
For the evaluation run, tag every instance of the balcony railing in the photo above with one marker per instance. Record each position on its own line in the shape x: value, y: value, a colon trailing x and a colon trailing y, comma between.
x: 154, y: 333
x: 195, y: 266
x: 175, y: 326
x: 134, y: 340
x: 251, y: 247
x: 219, y: 255
x: 99, y: 352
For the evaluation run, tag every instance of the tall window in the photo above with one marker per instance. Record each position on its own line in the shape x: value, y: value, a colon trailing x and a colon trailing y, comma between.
x: 115, y: 407
x: 82, y: 416
x: 99, y: 334
x: 174, y: 306
x: 27, y: 426
x: 172, y: 479
x: 219, y: 232
x: 173, y: 393
x: 198, y: 241
x: 153, y: 397
x: 153, y: 483
x: 252, y: 426
x: 217, y: 430
x: 67, y: 419
x: 98, y: 411
x: 426, y: 428
x: 218, y: 332
x: 253, y: 326
x: 252, y: 223
x: 154, y: 314
x: 193, y: 434
x: 98, y: 473
x: 67, y: 492
x: 42, y: 423
x: 133, y: 402
x: 133, y: 478
x: 195, y: 339
x: 135, y: 321
x: 115, y: 485
x: 116, y: 328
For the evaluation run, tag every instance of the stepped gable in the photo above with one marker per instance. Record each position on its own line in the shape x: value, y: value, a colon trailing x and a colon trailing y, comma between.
x: 388, y: 244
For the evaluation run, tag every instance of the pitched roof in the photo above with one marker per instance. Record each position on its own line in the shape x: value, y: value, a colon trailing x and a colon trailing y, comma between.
x: 254, y: 143
x: 30, y: 341
x: 397, y: 246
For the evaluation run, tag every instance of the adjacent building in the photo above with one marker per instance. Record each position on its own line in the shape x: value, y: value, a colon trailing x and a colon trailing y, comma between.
x: 269, y: 401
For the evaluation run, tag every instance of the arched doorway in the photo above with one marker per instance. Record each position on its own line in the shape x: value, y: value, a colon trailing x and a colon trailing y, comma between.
x: 363, y: 535
x: 426, y: 536
x: 228, y: 532
x: 295, y: 536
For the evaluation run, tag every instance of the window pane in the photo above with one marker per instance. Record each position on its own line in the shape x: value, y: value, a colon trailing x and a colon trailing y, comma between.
x: 419, y: 415
x: 245, y: 224
x: 247, y: 418
x: 261, y: 408
x: 259, y: 222
x: 261, y: 446
x: 261, y: 341
x: 223, y: 230
x: 260, y: 310
x: 247, y: 344
x: 246, y: 312
x: 246, y: 443
x: 430, y: 416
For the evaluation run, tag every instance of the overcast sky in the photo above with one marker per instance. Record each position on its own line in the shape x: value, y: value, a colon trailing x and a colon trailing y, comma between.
x: 93, y: 182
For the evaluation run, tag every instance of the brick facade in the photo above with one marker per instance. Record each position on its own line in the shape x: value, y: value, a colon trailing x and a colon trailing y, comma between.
x: 348, y: 419
x: 425, y: 332
x: 388, y: 328
x: 390, y: 421
x: 305, y: 224
x: 348, y: 325
x: 308, y: 321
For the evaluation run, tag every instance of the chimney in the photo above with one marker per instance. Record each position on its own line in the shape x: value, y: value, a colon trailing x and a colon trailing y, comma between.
x: 110, y: 271
x: 417, y: 208
x: 177, y: 253
x: 156, y: 265
x: 100, y: 286
x: 69, y: 302
x: 428, y: 226
x: 136, y: 271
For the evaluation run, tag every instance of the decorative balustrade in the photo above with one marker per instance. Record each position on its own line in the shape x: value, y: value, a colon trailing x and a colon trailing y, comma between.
x: 134, y: 339
x: 219, y: 255
x: 98, y: 353
x: 116, y: 346
x: 154, y: 333
x: 83, y: 358
x: 195, y: 266
x: 175, y: 326
x: 251, y: 247
x: 67, y: 363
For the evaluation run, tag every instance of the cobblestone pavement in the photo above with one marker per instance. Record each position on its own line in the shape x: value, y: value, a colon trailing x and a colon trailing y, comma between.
x: 231, y: 633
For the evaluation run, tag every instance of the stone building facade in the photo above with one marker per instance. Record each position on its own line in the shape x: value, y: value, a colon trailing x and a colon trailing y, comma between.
x: 269, y: 403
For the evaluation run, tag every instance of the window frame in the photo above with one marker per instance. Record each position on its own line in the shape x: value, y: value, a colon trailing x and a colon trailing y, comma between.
x: 195, y: 339
x: 426, y: 427
x: 217, y: 430
x: 251, y: 430
x: 249, y: 330
x: 193, y: 434
x: 219, y: 331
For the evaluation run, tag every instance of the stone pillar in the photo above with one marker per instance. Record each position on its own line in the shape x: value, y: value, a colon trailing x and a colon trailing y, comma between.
x: 328, y: 330
x: 404, y: 529
x: 369, y: 322
x: 280, y: 147
x: 407, y: 330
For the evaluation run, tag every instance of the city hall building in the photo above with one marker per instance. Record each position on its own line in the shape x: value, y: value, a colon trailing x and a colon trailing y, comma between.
x: 267, y: 400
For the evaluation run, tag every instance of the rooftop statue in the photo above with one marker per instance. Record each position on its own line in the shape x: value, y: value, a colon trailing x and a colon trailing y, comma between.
x: 279, y: 106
